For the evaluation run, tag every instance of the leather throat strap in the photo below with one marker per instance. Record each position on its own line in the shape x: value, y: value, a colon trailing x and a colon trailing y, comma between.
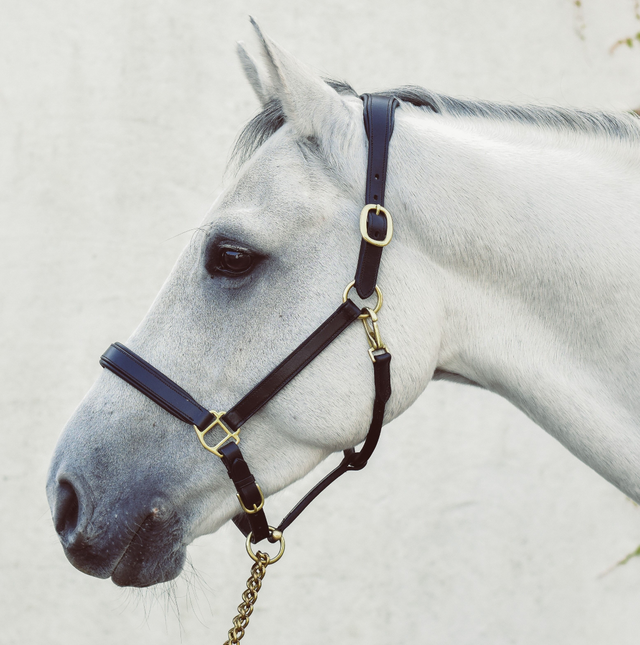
x: 355, y: 460
x: 352, y: 460
x: 379, y: 119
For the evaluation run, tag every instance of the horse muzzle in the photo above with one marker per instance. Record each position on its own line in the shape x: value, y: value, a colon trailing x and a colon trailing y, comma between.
x: 136, y: 541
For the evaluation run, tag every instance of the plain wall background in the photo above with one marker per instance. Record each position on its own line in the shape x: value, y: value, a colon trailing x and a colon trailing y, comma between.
x: 116, y: 120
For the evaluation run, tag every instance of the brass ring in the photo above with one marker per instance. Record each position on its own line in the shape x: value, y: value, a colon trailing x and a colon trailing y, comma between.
x: 279, y: 538
x: 376, y: 309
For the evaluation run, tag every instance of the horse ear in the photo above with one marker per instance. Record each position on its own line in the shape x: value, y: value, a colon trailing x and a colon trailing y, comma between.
x: 316, y: 111
x: 256, y: 75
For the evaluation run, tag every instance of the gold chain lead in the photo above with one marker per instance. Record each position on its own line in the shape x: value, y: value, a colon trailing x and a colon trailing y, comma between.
x: 249, y: 597
x: 260, y: 563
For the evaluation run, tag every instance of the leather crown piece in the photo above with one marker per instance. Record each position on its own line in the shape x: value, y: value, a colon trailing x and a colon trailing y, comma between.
x: 379, y: 119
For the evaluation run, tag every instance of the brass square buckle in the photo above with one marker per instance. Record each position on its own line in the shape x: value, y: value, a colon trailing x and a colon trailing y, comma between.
x: 363, y: 225
x: 217, y: 422
x: 256, y: 507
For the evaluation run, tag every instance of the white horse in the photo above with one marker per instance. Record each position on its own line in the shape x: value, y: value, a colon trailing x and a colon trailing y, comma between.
x: 515, y: 266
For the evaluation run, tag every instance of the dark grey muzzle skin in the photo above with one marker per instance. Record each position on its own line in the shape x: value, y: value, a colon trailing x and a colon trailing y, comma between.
x: 134, y: 544
x: 118, y: 487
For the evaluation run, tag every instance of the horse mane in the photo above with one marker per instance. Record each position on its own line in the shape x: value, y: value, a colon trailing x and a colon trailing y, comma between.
x: 620, y: 126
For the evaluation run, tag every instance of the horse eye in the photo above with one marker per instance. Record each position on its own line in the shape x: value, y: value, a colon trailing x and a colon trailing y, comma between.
x: 234, y: 261
x: 230, y: 262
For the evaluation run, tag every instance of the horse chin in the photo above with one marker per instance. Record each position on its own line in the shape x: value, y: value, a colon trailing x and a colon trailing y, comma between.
x: 140, y: 570
x: 155, y: 554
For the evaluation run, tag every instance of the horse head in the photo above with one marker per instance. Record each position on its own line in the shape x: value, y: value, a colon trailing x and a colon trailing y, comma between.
x: 130, y: 486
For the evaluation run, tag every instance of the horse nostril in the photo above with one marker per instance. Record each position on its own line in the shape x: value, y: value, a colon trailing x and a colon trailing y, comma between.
x: 66, y: 510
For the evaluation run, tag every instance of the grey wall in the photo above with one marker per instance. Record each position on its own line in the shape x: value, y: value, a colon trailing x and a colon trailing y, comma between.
x: 116, y: 119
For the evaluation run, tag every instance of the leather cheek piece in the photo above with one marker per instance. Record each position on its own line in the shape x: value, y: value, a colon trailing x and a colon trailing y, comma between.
x: 366, y: 276
x: 352, y: 460
x: 379, y: 119
x: 292, y: 365
x: 245, y: 484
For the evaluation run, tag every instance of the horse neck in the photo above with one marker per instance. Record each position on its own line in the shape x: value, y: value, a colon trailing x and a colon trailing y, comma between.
x: 537, y: 247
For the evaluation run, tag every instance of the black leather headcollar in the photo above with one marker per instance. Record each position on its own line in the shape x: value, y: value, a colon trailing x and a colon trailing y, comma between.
x: 376, y: 227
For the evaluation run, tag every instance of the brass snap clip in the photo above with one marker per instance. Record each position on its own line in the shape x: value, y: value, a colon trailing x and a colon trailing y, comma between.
x: 371, y: 329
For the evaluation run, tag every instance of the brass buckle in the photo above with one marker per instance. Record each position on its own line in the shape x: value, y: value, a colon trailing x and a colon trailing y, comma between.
x: 375, y: 310
x: 363, y: 225
x: 373, y: 334
x: 256, y: 509
x: 217, y: 422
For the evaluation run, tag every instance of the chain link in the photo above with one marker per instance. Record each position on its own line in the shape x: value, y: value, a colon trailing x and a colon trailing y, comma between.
x: 249, y: 597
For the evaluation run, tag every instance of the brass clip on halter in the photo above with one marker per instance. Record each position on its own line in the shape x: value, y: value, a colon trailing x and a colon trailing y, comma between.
x: 372, y: 331
x: 370, y: 321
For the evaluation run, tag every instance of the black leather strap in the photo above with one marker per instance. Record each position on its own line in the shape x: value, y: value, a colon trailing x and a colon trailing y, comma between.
x: 299, y: 358
x: 382, y: 381
x: 154, y: 384
x: 170, y: 396
x: 379, y: 119
x: 352, y: 460
x: 245, y: 484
